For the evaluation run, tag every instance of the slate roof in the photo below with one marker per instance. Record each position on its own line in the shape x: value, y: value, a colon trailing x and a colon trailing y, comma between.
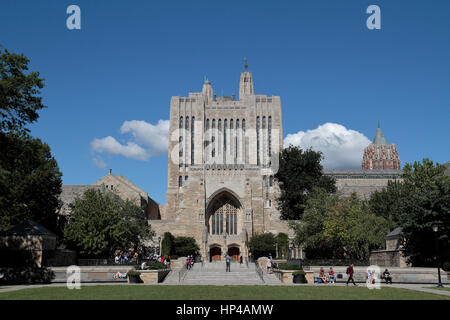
x: 379, y: 137
x: 394, y: 234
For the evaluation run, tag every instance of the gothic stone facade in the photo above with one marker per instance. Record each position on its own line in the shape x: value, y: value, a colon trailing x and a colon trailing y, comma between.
x: 222, y: 153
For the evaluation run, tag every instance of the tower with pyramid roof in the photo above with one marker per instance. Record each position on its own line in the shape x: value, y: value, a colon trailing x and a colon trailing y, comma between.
x: 380, y: 155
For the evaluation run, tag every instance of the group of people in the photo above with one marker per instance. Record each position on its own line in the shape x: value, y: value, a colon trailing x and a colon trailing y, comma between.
x: 123, y: 257
x: 328, y: 277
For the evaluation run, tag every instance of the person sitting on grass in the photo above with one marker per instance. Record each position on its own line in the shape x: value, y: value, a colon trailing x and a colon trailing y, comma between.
x: 322, y: 276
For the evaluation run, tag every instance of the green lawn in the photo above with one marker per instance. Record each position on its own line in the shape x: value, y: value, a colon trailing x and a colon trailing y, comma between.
x: 136, y: 292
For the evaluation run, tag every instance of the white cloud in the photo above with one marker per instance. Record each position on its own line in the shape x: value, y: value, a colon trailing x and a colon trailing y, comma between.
x: 99, y: 163
x: 111, y: 146
x: 342, y: 148
x: 148, y: 140
x: 156, y: 137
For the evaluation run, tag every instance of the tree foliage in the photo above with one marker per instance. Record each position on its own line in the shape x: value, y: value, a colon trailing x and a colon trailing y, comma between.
x: 101, y: 222
x: 261, y: 245
x: 336, y: 227
x: 299, y: 172
x: 185, y: 246
x: 167, y: 244
x: 19, y: 92
x: 424, y: 201
x: 282, y: 244
x: 353, y: 230
x: 30, y: 181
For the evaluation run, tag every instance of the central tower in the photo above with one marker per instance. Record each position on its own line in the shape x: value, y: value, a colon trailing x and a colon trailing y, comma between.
x: 221, y: 188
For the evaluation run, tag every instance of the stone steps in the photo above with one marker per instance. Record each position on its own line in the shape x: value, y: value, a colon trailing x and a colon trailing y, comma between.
x: 214, y: 274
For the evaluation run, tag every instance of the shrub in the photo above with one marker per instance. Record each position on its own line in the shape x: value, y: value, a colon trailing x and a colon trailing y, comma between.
x: 133, y: 273
x: 299, y: 273
x: 184, y: 246
x: 286, y: 266
x: 167, y: 244
x: 446, y: 266
x: 157, y: 266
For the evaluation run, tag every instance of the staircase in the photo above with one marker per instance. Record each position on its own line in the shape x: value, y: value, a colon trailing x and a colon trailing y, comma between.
x: 214, y: 274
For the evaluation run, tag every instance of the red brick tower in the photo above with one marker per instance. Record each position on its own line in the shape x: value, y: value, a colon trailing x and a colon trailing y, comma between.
x: 380, y: 155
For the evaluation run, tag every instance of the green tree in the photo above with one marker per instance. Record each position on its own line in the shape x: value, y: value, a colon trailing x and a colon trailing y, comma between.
x: 282, y: 244
x: 19, y: 92
x: 309, y: 231
x: 299, y: 172
x: 260, y: 245
x: 424, y: 202
x: 30, y: 182
x: 185, y: 246
x: 101, y: 222
x: 384, y: 202
x: 167, y: 244
x: 353, y: 230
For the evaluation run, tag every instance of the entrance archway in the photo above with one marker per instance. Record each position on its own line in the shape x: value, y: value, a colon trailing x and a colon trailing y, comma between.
x: 215, y: 254
x: 234, y: 253
x: 223, y: 213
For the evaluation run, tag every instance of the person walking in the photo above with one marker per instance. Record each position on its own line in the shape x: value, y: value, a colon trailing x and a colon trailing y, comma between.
x: 228, y: 263
x: 350, y: 273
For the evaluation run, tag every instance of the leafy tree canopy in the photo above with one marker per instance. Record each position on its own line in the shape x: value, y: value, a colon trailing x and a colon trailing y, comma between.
x: 185, y: 246
x: 261, y: 245
x: 299, y: 172
x: 30, y: 182
x: 167, y: 244
x: 424, y: 201
x: 19, y: 92
x: 336, y: 227
x: 101, y: 222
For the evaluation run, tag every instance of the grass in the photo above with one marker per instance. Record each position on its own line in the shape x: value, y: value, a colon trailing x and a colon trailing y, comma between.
x: 147, y: 292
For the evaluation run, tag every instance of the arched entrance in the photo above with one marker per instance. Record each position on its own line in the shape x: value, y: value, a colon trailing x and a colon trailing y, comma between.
x: 223, y: 213
x: 234, y: 253
x: 215, y: 253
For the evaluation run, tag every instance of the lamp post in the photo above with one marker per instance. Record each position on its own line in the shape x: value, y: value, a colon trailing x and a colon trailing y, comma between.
x: 435, y: 230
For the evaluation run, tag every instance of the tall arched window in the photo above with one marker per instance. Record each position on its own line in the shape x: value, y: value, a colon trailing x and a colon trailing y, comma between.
x: 219, y: 137
x: 192, y: 140
x: 228, y: 212
x: 231, y: 139
x: 225, y: 129
x: 269, y: 125
x: 237, y: 139
x: 264, y: 140
x: 243, y: 141
x: 257, y: 141
x: 180, y: 143
x: 187, y: 142
x: 213, y: 138
x: 207, y: 140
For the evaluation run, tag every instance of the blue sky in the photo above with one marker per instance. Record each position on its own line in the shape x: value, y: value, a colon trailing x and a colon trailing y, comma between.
x: 130, y: 57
